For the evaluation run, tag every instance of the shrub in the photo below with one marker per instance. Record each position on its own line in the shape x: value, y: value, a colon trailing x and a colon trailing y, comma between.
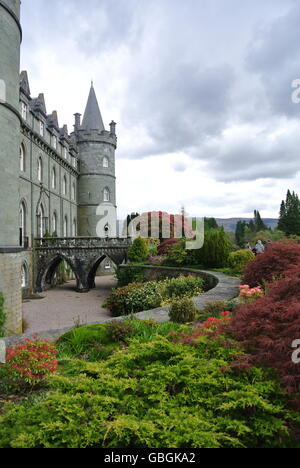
x: 215, y: 251
x: 139, y: 251
x: 238, y: 260
x: 119, y: 331
x: 129, y: 274
x: 248, y: 295
x: 164, y: 247
x: 183, y: 311
x: 177, y: 254
x: 183, y: 286
x: 30, y: 362
x: 268, y: 327
x: 271, y: 265
x: 157, y: 394
x: 2, y: 316
x: 212, y: 309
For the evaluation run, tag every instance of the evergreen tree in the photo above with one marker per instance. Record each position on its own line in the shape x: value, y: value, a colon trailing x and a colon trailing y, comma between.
x: 210, y: 223
x: 240, y: 233
x: 258, y: 222
x: 289, y: 217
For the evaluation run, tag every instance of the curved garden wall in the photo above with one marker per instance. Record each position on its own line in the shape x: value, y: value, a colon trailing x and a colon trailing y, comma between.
x: 218, y: 287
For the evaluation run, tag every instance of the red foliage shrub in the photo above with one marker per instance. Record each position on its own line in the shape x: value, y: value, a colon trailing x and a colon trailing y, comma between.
x: 164, y: 247
x: 278, y: 258
x: 30, y: 362
x: 268, y: 327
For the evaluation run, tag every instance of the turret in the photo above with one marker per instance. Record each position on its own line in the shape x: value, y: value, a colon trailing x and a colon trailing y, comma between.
x: 97, y: 181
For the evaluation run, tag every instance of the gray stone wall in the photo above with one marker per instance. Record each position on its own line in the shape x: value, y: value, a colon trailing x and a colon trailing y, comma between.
x: 10, y: 286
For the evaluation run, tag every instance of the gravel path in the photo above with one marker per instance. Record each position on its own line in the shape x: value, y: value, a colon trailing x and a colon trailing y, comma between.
x: 63, y: 307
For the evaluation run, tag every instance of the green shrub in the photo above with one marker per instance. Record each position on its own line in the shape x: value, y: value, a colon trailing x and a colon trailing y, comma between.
x: 91, y: 342
x: 2, y: 316
x: 177, y: 254
x: 213, y: 309
x: 239, y: 260
x: 215, y: 251
x: 183, y: 286
x: 129, y: 274
x: 119, y: 332
x: 183, y: 311
x: 139, y: 251
x: 155, y: 395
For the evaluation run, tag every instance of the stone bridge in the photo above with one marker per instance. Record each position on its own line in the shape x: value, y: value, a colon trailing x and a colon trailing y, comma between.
x: 82, y: 254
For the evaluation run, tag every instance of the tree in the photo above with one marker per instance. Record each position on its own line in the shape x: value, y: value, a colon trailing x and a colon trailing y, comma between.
x: 289, y: 217
x: 210, y: 223
x: 240, y: 233
x: 139, y: 251
x: 259, y: 225
x: 215, y: 251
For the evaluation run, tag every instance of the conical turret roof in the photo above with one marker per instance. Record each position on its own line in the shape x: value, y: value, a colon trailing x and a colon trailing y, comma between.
x: 92, y: 119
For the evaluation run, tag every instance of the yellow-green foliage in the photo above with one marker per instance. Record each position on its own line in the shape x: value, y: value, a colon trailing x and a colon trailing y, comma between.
x: 158, y: 394
x: 239, y: 259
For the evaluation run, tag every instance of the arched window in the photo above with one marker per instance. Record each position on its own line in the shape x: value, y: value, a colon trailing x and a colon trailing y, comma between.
x: 74, y: 191
x: 64, y: 185
x: 40, y: 169
x: 106, y: 195
x: 53, y: 178
x: 22, y: 224
x: 74, y: 229
x: 24, y: 276
x: 105, y: 162
x: 41, y: 221
x: 54, y: 142
x: 54, y: 223
x: 22, y: 158
x: 66, y: 226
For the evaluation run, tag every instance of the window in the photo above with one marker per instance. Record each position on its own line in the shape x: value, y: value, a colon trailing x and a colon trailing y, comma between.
x: 65, y: 153
x: 42, y: 129
x: 74, y: 228
x: 106, y: 195
x: 53, y: 178
x: 64, y: 185
x: 74, y: 191
x: 66, y: 226
x: 40, y: 170
x: 22, y: 158
x: 24, y: 276
x: 54, y: 142
x: 41, y: 228
x: 54, y: 223
x: 24, y: 111
x: 105, y: 162
x: 74, y: 162
x: 22, y: 224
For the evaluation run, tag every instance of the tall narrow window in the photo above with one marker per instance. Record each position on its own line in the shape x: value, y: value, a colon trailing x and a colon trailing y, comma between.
x: 65, y: 151
x: 22, y: 224
x: 74, y: 191
x: 41, y: 221
x: 24, y: 276
x: 66, y: 226
x: 54, y: 223
x: 40, y: 169
x: 54, y: 142
x: 105, y: 162
x: 22, y: 158
x: 106, y: 195
x: 53, y: 182
x: 74, y: 228
x: 24, y: 111
x: 42, y: 129
x: 64, y: 186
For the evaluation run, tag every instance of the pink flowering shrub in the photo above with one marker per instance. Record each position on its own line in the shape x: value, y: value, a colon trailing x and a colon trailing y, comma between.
x: 249, y: 295
x: 30, y: 362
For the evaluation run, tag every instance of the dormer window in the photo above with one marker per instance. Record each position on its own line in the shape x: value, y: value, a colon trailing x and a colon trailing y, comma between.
x: 54, y: 142
x: 24, y: 111
x: 65, y: 153
x: 42, y: 129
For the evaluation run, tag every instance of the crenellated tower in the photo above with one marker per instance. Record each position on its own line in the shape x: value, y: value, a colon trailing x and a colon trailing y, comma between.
x: 97, y: 180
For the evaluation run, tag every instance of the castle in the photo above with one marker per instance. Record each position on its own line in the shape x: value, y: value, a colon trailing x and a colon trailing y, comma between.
x: 50, y: 181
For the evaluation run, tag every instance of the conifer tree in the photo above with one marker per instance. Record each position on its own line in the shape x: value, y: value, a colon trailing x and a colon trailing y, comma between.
x: 289, y: 217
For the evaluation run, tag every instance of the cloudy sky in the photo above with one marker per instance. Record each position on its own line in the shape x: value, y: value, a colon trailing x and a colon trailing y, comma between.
x: 201, y: 91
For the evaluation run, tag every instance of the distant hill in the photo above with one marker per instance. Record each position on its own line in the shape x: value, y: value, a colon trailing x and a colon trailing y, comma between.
x: 230, y: 223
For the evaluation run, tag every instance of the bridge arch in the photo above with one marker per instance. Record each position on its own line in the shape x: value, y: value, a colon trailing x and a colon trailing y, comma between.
x: 48, y: 270
x: 94, y: 268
